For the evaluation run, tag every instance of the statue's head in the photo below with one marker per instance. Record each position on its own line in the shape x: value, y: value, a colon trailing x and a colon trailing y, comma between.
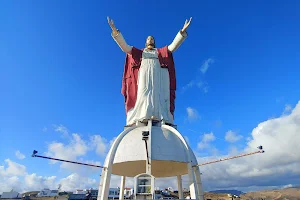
x: 150, y: 42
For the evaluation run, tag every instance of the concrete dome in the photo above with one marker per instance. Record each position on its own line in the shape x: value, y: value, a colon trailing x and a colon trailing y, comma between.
x: 166, y: 148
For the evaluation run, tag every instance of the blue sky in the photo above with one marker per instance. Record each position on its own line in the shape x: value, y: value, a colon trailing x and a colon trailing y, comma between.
x: 60, y: 75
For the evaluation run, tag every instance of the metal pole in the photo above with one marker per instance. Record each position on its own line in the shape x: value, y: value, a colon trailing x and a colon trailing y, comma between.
x: 223, y: 159
x: 147, y: 152
x: 79, y: 163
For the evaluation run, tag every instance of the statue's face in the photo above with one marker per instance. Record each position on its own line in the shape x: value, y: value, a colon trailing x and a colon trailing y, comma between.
x: 150, y: 42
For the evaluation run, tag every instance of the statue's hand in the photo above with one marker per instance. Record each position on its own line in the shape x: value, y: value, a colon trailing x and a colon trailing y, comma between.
x: 186, y: 25
x: 112, y: 26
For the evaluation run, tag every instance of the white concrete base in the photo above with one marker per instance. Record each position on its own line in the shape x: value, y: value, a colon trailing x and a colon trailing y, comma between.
x: 170, y: 156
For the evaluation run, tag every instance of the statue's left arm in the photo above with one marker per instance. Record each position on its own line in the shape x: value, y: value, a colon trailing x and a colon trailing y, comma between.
x: 180, y: 37
x: 178, y: 40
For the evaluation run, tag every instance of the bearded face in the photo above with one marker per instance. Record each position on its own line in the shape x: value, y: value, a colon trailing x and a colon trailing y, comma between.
x: 150, y: 42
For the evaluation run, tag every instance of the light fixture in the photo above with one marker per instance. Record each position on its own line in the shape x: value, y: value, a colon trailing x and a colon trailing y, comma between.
x: 145, y: 135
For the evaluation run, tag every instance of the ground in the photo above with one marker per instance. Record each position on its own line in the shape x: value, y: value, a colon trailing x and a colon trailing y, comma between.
x: 283, y: 194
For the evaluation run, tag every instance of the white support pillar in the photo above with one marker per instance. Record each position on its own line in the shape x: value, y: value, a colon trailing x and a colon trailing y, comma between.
x: 199, y: 183
x: 180, y: 192
x: 192, y: 182
x: 104, y: 183
x: 122, y: 187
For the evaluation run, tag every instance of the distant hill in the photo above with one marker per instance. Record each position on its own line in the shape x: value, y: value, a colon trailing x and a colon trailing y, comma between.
x: 235, y: 192
x: 292, y: 193
x: 282, y: 194
x: 31, y: 193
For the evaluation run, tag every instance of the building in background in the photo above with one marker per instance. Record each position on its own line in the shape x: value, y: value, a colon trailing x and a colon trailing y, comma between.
x: 77, y: 197
x: 11, y: 195
x: 47, y: 193
x: 79, y: 191
x: 128, y: 193
x: 113, y: 193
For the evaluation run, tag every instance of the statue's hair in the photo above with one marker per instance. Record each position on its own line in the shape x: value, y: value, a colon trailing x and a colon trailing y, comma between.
x: 153, y: 39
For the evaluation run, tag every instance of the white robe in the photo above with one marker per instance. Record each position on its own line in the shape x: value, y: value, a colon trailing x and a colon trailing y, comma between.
x: 153, y: 95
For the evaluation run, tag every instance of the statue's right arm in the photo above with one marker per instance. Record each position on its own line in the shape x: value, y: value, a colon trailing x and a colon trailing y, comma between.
x: 118, y: 37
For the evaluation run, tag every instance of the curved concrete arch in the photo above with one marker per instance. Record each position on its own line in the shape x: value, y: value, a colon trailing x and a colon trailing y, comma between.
x: 194, y: 189
x: 106, y: 172
x: 173, y: 130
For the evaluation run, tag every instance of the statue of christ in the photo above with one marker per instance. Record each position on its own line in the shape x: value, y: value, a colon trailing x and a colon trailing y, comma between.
x: 149, y: 80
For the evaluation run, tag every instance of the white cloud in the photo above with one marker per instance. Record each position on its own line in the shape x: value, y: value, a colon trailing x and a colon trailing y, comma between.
x: 79, y: 146
x: 192, y: 113
x: 197, y: 83
x: 7, y: 183
x: 76, y: 147
x: 287, y: 109
x: 205, y: 141
x: 13, y: 169
x: 19, y: 155
x: 10, y: 176
x: 278, y: 166
x: 72, y: 151
x: 203, y: 85
x: 232, y: 136
x: 75, y: 150
x: 61, y: 129
x: 189, y: 85
x: 15, y: 177
x: 206, y: 65
x: 233, y: 150
x: 208, y: 137
x: 35, y: 182
x: 99, y: 143
x: 75, y: 181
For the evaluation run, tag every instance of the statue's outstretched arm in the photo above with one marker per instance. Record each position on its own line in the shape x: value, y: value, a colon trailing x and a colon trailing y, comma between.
x: 180, y: 37
x: 117, y: 36
x: 178, y: 40
x: 122, y: 43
